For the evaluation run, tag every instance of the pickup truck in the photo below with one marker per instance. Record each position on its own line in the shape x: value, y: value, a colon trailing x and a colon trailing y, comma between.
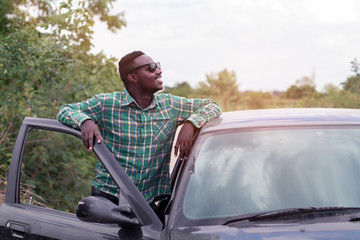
x: 257, y: 174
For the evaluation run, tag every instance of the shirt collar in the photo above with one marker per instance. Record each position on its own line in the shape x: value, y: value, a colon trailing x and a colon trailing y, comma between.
x: 128, y: 99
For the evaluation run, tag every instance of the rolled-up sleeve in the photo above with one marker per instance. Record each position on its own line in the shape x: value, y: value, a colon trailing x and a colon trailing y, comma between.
x: 197, y: 111
x: 76, y: 113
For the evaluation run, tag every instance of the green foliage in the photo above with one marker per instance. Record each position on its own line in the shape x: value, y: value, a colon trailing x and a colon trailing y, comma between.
x: 340, y: 99
x: 352, y: 84
x: 38, y: 77
x: 181, y: 89
x: 355, y: 67
x: 5, y: 8
x: 70, y: 22
x: 304, y: 88
x: 255, y: 100
x: 67, y: 176
x: 30, y: 65
x: 30, y: 82
x: 102, y: 8
x: 40, y: 71
x: 93, y: 74
x: 222, y: 87
x: 295, y: 92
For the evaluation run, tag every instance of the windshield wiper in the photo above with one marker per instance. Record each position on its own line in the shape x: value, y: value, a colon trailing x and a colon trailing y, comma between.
x: 283, y: 213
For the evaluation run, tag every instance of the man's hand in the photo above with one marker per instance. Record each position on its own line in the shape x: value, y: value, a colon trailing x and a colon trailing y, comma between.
x: 185, y: 140
x: 89, y: 130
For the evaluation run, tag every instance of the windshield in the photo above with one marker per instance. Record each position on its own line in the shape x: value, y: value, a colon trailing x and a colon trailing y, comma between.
x: 256, y: 171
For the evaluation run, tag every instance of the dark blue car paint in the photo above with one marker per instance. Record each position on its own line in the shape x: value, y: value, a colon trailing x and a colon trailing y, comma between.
x: 318, y: 231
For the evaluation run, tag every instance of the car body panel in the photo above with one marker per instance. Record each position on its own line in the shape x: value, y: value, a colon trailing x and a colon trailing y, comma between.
x: 318, y: 231
x: 50, y: 224
x: 254, y: 120
x: 283, y: 117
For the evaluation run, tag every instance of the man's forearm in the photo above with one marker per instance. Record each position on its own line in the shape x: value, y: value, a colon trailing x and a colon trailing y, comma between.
x: 71, y: 116
x: 207, y: 112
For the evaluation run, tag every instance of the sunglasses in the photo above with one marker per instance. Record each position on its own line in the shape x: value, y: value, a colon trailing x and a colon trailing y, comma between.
x: 153, y: 67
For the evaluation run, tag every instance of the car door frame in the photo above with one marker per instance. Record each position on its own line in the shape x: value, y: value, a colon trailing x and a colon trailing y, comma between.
x: 38, y: 219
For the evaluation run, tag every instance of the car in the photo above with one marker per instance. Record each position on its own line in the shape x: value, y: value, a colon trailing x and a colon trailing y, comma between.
x: 254, y: 174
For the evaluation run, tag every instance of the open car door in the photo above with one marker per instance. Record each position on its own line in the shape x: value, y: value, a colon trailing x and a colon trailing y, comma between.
x: 22, y: 219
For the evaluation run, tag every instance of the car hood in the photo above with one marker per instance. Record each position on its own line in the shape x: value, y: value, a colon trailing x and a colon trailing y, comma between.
x: 337, y: 230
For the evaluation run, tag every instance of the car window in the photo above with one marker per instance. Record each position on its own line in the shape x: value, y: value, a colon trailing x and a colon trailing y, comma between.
x: 56, y: 170
x: 255, y: 171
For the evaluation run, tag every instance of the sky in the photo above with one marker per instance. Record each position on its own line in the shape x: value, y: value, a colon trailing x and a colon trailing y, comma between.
x: 269, y: 44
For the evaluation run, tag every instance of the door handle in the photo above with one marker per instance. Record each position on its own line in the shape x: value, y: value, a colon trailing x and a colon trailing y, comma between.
x: 18, y: 229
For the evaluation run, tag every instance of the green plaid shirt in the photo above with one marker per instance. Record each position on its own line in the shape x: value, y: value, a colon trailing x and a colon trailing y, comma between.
x: 140, y: 139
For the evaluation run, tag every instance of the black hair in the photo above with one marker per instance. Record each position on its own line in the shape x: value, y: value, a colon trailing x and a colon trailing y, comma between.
x: 125, y: 64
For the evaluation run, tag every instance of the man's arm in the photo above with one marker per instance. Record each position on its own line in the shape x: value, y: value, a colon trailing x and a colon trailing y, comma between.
x: 196, y: 113
x: 83, y: 116
x: 184, y: 140
x: 89, y: 130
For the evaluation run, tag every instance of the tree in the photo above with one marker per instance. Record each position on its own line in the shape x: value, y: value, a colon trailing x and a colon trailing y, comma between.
x: 41, y: 70
x: 6, y: 8
x: 181, y: 89
x: 303, y: 88
x: 222, y: 87
x: 331, y: 88
x: 352, y: 84
x: 255, y: 100
x: 355, y: 66
x: 68, y: 21
x: 30, y: 82
x: 293, y: 92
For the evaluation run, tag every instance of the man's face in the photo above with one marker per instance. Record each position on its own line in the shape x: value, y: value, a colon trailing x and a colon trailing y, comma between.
x: 147, y: 80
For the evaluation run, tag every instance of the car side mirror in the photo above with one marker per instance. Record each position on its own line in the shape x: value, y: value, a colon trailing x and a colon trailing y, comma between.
x: 102, y: 210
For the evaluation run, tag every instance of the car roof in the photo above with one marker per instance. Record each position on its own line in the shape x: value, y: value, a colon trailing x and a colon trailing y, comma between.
x: 283, y: 117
